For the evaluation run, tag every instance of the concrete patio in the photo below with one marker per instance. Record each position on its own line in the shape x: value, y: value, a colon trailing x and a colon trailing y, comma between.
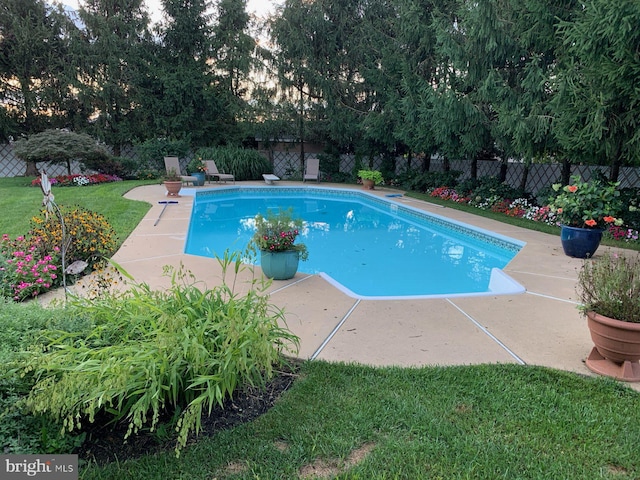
x: 540, y: 327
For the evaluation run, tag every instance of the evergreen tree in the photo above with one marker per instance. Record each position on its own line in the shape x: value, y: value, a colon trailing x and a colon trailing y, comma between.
x: 109, y: 52
x: 597, y: 110
x: 33, y: 67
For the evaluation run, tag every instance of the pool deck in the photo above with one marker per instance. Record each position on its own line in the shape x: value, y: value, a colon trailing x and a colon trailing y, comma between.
x: 539, y: 327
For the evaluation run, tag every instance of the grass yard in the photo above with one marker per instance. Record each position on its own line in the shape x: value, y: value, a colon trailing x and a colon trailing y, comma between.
x: 19, y: 202
x: 480, y: 422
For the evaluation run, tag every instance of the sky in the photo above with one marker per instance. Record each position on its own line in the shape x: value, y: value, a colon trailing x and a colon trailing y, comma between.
x: 259, y: 7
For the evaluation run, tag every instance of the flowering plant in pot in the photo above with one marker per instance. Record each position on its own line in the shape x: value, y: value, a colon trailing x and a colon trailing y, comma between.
x: 370, y: 178
x: 609, y: 291
x: 584, y: 209
x: 196, y: 166
x: 592, y: 204
x: 275, y: 237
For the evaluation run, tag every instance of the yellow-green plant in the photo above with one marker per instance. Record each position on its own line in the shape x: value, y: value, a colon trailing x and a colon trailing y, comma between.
x: 177, y: 352
x: 373, y: 175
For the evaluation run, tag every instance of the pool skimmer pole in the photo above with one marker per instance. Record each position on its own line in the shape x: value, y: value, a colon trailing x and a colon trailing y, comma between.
x: 166, y: 202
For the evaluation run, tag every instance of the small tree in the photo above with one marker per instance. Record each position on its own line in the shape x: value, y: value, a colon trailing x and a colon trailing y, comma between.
x: 59, y: 146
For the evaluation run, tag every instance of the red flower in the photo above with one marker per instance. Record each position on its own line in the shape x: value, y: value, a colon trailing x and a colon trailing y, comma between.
x: 591, y: 223
x: 609, y: 219
x: 572, y: 188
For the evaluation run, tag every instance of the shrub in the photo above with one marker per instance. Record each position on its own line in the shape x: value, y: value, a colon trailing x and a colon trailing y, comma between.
x: 630, y: 197
x: 60, y: 146
x: 491, y: 190
x: 26, y: 270
x: 21, y: 328
x: 151, y: 153
x: 178, y: 351
x: 92, y: 237
x: 243, y: 163
x: 426, y: 181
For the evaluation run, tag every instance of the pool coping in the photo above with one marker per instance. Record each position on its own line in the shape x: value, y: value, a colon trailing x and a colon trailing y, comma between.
x: 541, y: 326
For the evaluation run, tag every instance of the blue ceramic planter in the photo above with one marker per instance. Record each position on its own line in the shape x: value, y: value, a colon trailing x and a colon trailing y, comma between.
x: 200, y: 176
x: 580, y: 242
x: 279, y: 265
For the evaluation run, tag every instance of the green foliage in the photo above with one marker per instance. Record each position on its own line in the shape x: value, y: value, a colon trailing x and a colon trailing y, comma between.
x: 120, y: 166
x: 60, y: 146
x: 631, y: 198
x: 34, y: 53
x: 244, y: 163
x: 591, y: 204
x: 196, y: 165
x: 374, y: 175
x: 111, y: 60
x: 7, y: 276
x: 148, y: 352
x: 425, y: 181
x: 21, y: 329
x: 596, y: 109
x: 609, y: 284
x: 151, y: 152
x: 491, y: 187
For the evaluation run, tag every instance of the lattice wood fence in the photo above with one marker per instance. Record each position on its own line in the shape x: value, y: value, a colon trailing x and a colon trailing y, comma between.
x: 288, y: 165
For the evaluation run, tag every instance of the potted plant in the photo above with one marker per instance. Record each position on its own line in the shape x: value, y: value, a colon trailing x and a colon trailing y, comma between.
x: 584, y: 209
x: 370, y: 178
x: 275, y: 236
x: 173, y: 183
x: 609, y: 291
x: 197, y: 168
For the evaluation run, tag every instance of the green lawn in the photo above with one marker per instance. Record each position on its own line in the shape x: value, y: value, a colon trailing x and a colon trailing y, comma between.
x: 19, y: 202
x: 356, y: 422
x: 475, y: 422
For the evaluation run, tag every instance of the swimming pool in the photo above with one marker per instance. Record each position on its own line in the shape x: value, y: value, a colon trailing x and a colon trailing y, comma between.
x: 367, y: 246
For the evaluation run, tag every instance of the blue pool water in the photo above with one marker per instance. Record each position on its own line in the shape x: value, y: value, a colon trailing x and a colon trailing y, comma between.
x: 367, y: 246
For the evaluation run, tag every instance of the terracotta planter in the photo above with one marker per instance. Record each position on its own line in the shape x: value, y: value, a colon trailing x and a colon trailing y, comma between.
x: 617, y: 347
x: 368, y: 184
x: 173, y: 188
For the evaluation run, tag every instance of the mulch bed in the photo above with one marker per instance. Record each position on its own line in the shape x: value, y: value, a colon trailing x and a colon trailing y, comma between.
x: 104, y: 442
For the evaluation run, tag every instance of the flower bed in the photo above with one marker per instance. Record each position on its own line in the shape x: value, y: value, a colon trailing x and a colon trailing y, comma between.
x: 524, y: 208
x: 78, y: 180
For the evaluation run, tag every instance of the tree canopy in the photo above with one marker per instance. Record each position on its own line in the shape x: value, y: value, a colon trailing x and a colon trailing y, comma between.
x: 59, y: 146
x: 531, y: 80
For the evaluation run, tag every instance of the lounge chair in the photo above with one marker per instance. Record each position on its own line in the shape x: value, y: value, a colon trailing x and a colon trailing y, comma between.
x: 212, y: 171
x: 173, y: 164
x: 312, y: 169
